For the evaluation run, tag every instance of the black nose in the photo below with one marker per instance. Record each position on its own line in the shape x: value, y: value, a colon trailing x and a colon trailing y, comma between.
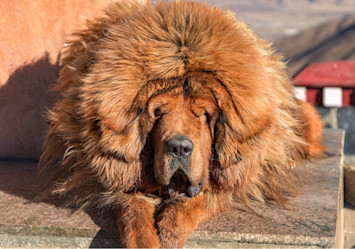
x: 180, y: 146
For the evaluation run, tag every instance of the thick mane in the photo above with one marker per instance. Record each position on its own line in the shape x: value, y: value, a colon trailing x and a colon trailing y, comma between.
x: 100, y: 124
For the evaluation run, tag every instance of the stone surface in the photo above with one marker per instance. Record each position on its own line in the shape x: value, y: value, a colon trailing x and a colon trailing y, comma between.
x: 310, y: 217
x: 349, y: 228
x: 310, y: 221
x: 344, y: 118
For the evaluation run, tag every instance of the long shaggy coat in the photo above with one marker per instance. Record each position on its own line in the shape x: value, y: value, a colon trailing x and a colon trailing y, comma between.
x: 212, y: 74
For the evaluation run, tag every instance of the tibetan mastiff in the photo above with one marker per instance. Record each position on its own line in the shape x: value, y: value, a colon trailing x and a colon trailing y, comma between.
x: 168, y: 112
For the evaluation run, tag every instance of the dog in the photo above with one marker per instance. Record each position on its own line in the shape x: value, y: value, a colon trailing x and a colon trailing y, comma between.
x: 170, y: 112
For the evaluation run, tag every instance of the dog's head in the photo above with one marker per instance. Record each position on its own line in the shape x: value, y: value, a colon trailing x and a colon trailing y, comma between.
x: 192, y: 81
x: 194, y: 126
x: 182, y: 137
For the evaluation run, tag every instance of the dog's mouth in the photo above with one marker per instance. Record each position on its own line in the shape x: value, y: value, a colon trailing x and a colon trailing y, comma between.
x: 179, y: 183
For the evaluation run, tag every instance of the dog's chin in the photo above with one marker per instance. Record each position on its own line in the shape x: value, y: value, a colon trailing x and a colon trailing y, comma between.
x: 176, y: 180
x: 179, y: 184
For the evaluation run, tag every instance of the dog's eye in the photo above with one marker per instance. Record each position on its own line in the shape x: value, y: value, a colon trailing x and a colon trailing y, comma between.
x: 198, y: 112
x: 158, y: 112
x: 207, y: 118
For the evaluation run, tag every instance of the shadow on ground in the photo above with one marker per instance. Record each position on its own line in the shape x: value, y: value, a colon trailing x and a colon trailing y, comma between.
x: 24, y: 100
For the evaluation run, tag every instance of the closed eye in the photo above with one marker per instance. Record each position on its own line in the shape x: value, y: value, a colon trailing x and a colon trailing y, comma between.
x: 158, y: 112
x: 198, y: 112
x: 207, y: 118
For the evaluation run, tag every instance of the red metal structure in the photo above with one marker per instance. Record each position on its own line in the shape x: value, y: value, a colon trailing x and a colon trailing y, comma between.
x: 329, y: 84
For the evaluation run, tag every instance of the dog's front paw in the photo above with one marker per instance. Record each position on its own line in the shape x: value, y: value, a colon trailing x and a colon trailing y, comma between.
x: 135, y: 220
x: 178, y: 217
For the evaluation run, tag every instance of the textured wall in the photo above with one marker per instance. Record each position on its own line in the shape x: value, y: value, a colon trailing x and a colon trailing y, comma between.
x: 32, y: 35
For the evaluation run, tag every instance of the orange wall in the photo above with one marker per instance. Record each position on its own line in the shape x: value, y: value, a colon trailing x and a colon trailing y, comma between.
x: 32, y: 34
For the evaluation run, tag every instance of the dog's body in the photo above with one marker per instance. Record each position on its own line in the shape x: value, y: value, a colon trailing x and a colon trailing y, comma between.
x: 169, y: 113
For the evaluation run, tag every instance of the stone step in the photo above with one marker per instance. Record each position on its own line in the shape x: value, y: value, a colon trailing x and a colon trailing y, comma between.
x: 314, y: 219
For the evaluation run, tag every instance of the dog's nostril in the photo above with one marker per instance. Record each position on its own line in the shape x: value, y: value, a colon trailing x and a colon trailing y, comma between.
x: 180, y: 147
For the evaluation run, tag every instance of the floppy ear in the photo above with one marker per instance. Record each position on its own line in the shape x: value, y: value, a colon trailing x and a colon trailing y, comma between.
x: 243, y: 117
x: 226, y: 145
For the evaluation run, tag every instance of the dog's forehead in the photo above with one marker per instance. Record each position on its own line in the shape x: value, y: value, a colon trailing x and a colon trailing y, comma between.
x: 193, y: 88
x: 173, y: 103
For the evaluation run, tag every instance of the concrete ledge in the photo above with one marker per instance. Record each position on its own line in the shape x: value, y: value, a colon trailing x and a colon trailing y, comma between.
x: 349, y: 227
x: 313, y: 220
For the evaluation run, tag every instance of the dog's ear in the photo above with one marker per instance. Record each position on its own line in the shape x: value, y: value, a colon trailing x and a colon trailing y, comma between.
x: 243, y: 117
x: 124, y: 138
x: 226, y: 145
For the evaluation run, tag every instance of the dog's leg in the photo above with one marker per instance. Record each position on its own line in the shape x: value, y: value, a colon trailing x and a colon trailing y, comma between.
x: 135, y: 221
x: 178, y: 218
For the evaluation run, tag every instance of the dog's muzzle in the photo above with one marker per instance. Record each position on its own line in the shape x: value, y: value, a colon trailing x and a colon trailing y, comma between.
x: 180, y: 183
x: 180, y: 149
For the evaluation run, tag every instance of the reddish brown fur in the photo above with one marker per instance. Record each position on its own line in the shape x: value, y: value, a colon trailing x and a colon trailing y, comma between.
x: 146, y: 73
x: 313, y: 129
